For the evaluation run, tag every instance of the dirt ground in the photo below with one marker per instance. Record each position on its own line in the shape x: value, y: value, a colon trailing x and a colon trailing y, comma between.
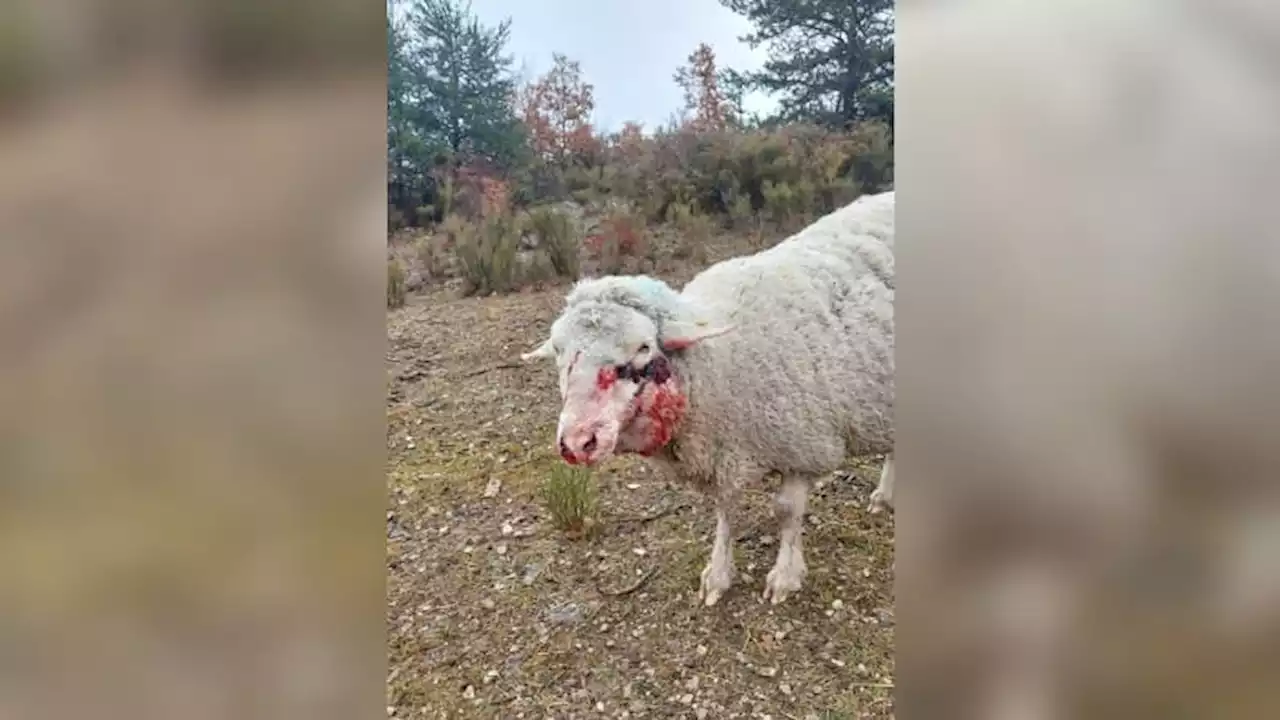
x: 493, y: 613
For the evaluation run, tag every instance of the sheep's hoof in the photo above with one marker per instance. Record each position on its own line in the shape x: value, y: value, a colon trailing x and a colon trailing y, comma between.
x: 715, y: 582
x: 781, y: 584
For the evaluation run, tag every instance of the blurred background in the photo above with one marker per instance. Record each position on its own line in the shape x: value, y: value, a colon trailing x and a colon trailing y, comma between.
x: 190, y: 221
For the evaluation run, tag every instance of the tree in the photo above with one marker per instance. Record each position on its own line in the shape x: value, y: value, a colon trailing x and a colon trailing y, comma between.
x: 450, y: 93
x: 704, y: 100
x: 462, y: 82
x: 831, y: 61
x: 556, y: 109
x: 407, y: 154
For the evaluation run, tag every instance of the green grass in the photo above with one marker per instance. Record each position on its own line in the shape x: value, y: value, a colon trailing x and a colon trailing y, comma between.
x: 569, y: 496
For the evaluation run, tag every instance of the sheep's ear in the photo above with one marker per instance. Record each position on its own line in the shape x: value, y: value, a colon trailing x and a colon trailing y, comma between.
x: 679, y: 336
x: 542, y: 352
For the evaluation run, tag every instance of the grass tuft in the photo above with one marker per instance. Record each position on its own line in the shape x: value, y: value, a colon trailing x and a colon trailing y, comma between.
x: 569, y: 496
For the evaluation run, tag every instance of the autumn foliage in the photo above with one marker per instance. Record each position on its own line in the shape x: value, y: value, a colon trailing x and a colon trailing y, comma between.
x: 570, y: 199
x: 704, y: 100
x: 556, y: 110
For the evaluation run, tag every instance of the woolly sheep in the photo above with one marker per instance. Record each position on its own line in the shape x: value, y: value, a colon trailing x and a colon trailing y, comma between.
x: 777, y: 362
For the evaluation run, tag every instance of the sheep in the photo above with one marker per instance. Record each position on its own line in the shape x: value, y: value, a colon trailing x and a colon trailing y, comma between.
x: 778, y: 362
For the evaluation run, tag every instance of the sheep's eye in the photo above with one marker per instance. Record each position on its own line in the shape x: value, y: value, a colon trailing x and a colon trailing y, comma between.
x: 643, y: 349
x: 625, y: 372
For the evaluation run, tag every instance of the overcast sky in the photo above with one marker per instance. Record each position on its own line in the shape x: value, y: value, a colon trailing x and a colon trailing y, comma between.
x: 629, y: 49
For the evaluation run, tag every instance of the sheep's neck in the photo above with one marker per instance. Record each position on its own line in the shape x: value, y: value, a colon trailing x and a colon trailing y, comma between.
x: 664, y: 413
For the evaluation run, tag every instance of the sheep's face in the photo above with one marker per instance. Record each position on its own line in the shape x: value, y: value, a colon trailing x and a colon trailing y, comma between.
x: 619, y: 388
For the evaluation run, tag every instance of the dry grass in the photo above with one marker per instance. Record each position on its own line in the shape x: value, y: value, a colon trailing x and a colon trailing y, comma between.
x: 487, y: 254
x: 558, y: 239
x: 494, y: 613
x: 395, y: 284
x: 430, y: 257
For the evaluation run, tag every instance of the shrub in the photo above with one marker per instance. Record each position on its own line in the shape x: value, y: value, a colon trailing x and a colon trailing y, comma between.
x: 622, y: 235
x: 396, y: 219
x: 569, y: 496
x: 741, y: 215
x: 486, y: 253
x: 695, y: 230
x: 789, y: 205
x: 429, y: 257
x: 396, y: 290
x: 557, y: 239
x: 537, y: 270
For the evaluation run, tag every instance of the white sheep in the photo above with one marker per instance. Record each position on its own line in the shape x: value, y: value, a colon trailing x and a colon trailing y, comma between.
x: 781, y: 361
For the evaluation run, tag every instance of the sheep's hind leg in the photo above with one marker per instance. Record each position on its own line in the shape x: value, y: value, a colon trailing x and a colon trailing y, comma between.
x: 717, y: 576
x: 882, y: 496
x: 787, y: 575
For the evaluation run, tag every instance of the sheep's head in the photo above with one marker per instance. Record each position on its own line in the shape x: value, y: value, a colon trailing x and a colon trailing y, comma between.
x: 619, y: 388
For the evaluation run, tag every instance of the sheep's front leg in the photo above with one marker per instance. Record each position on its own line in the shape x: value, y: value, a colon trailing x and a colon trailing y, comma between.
x: 882, y: 496
x: 789, y: 570
x: 717, y: 576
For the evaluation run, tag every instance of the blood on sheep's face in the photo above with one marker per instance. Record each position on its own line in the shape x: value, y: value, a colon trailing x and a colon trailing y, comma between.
x: 619, y: 390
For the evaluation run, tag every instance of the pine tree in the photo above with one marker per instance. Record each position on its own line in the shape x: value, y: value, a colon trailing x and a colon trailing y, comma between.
x: 462, y: 82
x: 830, y: 61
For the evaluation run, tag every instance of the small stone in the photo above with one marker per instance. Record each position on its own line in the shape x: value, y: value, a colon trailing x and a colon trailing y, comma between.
x: 488, y: 604
x: 700, y: 713
x: 837, y: 604
x: 837, y: 663
x: 468, y: 549
x: 490, y: 676
x: 866, y: 572
x: 492, y: 487
x: 410, y: 445
x: 443, y: 530
x: 599, y: 706
x: 785, y: 689
x: 469, y: 692
x: 639, y: 551
x: 567, y: 614
x: 779, y: 634
x: 692, y: 684
x: 507, y: 529
x: 633, y: 486
x: 768, y: 671
x: 501, y: 549
x: 686, y: 699
x: 862, y: 669
x: 701, y: 650
x: 531, y: 573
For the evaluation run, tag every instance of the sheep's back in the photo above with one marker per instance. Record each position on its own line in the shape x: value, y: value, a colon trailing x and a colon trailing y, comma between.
x: 807, y: 374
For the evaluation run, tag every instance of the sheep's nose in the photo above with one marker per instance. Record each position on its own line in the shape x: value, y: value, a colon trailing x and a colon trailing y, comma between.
x: 576, y: 447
